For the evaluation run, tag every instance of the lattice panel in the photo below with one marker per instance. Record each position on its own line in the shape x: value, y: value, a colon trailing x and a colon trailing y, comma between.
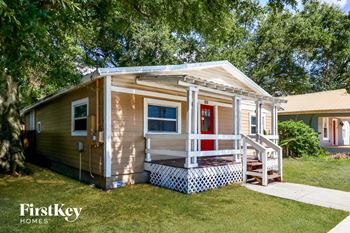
x: 195, y: 179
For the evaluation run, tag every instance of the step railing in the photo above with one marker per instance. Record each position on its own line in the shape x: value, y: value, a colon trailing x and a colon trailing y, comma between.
x: 263, y: 146
x: 262, y: 151
x: 276, y: 148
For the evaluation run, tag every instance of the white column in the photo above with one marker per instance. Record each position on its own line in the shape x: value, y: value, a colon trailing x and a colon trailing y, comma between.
x: 107, y: 112
x: 259, y: 123
x: 195, y: 121
x: 148, y: 147
x: 274, y: 119
x: 236, y: 123
x: 258, y: 116
x: 216, y: 126
x: 191, y: 125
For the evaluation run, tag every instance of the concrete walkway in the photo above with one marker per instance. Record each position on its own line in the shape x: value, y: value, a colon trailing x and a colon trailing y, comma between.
x: 342, y: 227
x: 308, y: 194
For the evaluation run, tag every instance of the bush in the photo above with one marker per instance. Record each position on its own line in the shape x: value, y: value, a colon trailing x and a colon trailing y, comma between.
x: 298, y: 139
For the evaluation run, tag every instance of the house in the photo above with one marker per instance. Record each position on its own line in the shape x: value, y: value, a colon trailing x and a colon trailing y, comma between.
x: 327, y: 112
x: 188, y: 127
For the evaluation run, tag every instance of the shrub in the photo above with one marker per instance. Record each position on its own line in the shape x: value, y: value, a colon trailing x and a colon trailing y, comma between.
x: 298, y: 139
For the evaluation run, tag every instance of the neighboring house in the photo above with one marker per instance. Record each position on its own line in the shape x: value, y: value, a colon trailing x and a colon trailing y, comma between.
x: 178, y: 126
x: 327, y: 112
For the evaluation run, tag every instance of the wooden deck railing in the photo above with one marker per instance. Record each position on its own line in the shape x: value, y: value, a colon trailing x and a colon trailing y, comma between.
x: 193, y: 140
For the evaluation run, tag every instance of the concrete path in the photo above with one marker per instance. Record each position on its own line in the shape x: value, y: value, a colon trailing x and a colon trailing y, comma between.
x: 308, y: 194
x: 342, y: 227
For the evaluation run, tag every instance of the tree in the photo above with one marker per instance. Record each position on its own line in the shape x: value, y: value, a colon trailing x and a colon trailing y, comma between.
x: 35, y: 50
x: 43, y: 41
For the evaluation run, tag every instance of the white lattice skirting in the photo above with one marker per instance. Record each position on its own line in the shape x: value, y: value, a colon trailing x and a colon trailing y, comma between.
x: 195, y: 179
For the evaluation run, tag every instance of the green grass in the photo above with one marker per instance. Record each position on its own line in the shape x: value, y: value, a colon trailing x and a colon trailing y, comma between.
x: 145, y: 208
x: 322, y: 172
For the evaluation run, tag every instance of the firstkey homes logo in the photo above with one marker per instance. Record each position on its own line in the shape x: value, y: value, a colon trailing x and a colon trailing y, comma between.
x: 31, y: 214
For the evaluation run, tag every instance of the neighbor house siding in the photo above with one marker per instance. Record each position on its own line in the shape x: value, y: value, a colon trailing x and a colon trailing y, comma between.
x: 55, y: 141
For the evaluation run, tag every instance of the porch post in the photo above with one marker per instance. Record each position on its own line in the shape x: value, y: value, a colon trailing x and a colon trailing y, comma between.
x: 236, y: 122
x: 259, y: 123
x: 190, y: 128
x: 274, y: 123
x: 194, y: 122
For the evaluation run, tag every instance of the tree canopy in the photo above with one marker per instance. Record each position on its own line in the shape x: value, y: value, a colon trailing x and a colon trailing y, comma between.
x: 45, y: 44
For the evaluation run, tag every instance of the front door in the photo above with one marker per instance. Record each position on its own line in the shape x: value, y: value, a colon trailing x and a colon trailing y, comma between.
x: 334, y: 129
x: 207, y: 126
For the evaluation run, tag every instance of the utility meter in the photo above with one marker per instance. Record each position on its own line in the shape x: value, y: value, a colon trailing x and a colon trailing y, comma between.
x: 80, y: 146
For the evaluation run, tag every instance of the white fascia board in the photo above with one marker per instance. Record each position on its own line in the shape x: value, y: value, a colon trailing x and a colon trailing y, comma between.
x: 161, y: 68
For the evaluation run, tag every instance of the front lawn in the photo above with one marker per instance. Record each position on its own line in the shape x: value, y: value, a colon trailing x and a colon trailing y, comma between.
x: 327, y: 173
x: 145, y: 208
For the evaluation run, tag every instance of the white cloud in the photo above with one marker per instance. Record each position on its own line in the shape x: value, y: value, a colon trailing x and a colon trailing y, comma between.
x: 340, y: 3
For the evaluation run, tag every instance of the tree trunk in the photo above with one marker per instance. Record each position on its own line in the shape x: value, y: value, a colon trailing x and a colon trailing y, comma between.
x: 11, y: 150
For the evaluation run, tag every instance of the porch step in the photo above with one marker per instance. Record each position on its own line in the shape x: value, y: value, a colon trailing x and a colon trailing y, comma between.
x: 274, y: 177
x: 254, y: 165
x: 260, y: 170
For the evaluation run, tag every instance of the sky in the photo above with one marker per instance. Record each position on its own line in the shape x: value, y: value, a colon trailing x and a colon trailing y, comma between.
x: 343, y: 4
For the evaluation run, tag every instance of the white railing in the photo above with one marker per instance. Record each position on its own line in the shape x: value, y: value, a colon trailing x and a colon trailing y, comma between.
x: 263, y: 145
x: 276, y: 148
x: 192, y: 151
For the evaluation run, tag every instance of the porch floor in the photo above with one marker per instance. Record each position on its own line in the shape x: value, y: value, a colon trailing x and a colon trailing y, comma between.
x: 203, y: 162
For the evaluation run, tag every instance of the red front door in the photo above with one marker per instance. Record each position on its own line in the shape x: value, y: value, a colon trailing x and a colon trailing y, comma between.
x: 207, y: 126
x: 334, y: 132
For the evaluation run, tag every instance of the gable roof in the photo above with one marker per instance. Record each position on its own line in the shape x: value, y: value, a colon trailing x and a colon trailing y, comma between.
x: 222, y: 72
x: 205, y: 69
x: 318, y: 102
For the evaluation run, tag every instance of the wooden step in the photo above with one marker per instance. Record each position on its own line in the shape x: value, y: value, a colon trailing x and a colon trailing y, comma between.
x: 274, y: 176
x: 254, y: 163
x: 269, y: 171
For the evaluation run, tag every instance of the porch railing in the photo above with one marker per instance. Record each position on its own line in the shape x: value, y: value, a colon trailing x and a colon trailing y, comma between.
x: 192, y: 142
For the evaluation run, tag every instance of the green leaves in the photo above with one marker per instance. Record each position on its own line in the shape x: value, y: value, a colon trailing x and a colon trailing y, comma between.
x: 298, y: 139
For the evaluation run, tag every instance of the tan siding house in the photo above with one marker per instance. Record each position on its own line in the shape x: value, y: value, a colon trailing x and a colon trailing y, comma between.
x: 130, y: 125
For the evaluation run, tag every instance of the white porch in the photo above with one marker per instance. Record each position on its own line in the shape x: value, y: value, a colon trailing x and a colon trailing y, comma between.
x: 194, y: 169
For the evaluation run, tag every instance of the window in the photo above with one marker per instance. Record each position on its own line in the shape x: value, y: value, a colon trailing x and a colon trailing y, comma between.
x: 80, y: 109
x: 252, y: 123
x: 325, y: 128
x: 38, y: 127
x: 162, y: 116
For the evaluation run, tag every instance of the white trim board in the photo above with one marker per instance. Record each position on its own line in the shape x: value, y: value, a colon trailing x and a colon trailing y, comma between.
x: 245, y: 105
x: 107, y: 110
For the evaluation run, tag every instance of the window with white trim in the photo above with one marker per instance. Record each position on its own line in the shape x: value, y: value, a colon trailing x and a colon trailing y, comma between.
x: 162, y: 116
x: 252, y: 123
x: 80, y: 110
x: 325, y: 128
